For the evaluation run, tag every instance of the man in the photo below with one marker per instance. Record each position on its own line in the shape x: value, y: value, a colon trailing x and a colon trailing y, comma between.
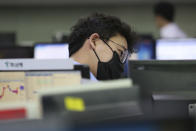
x: 164, y: 17
x: 103, y: 43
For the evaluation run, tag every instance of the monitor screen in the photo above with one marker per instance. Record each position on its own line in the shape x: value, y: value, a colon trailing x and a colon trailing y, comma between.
x: 145, y: 48
x: 23, y: 85
x: 176, y: 49
x: 51, y: 51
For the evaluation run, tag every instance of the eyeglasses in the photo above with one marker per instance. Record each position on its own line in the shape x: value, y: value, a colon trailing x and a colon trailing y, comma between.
x: 124, y: 55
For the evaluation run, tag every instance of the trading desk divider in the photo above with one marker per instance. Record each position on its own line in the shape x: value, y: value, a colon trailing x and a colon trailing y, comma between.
x: 92, y: 102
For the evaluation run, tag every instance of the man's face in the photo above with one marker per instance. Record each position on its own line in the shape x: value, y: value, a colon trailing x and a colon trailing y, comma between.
x: 118, y: 43
x: 159, y: 21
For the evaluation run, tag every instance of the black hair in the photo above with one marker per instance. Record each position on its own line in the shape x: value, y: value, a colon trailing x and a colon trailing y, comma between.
x: 165, y: 9
x: 105, y: 26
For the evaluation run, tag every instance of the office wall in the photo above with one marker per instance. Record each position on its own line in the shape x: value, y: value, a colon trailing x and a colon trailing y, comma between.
x: 40, y: 23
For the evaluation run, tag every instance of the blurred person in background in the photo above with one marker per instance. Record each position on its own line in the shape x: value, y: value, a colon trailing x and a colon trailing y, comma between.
x: 164, y: 18
x: 103, y: 43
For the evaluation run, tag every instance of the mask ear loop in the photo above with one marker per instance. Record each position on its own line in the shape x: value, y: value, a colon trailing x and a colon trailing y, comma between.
x: 108, y: 45
x: 96, y: 55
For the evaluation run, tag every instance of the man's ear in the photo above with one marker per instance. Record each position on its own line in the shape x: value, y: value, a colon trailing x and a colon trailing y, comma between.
x: 93, y: 39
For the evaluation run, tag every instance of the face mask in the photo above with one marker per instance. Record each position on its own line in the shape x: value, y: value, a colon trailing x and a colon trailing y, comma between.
x: 110, y: 70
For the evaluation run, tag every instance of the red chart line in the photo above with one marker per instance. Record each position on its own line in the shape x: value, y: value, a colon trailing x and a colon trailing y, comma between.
x: 7, y: 87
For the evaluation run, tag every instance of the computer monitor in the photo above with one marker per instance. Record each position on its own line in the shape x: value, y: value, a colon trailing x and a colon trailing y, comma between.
x: 175, y: 49
x: 145, y: 48
x: 18, y: 88
x: 16, y: 52
x: 89, y: 103
x: 18, y: 74
x: 51, y: 51
x: 163, y: 75
x: 167, y: 86
x: 7, y: 39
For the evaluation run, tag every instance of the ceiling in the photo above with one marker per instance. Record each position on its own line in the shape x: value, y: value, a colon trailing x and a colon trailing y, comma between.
x: 84, y: 2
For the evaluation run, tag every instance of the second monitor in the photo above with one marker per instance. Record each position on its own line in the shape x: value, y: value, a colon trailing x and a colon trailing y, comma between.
x: 51, y: 51
x: 175, y: 49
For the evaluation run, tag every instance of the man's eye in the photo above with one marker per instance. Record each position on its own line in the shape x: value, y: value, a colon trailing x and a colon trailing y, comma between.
x: 120, y: 52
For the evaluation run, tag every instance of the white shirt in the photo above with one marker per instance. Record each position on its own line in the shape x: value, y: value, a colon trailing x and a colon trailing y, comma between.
x: 172, y: 30
x: 92, y: 77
